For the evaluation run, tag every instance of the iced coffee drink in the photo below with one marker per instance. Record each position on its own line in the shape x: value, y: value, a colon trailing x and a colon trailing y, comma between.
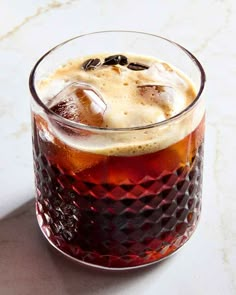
x: 118, y: 149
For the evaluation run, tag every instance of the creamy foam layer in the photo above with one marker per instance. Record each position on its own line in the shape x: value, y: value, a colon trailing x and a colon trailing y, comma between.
x: 133, y: 98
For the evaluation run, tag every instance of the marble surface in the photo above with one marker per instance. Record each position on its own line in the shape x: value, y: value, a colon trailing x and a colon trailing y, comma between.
x: 207, y: 264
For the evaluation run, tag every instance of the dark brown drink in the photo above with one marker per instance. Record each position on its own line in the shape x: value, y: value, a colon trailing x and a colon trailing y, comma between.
x: 123, y: 211
x: 118, y: 160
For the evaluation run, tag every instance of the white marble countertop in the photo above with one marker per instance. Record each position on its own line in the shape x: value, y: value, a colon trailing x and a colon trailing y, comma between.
x: 207, y: 264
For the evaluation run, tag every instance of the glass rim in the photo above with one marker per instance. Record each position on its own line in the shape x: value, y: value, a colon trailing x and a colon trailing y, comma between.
x: 107, y: 129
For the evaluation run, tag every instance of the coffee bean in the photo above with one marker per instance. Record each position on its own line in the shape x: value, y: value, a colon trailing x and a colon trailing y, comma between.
x: 137, y: 66
x: 115, y: 60
x: 91, y: 64
x: 123, y: 60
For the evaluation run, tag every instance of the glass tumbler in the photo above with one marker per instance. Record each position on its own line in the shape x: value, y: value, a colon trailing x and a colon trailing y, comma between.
x: 117, y: 210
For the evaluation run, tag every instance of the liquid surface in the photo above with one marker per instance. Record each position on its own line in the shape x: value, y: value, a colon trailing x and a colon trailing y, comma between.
x: 131, y: 97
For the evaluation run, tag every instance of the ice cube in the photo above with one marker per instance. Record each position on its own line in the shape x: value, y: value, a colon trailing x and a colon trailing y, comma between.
x: 165, y: 75
x: 67, y: 108
x: 168, y: 98
x: 73, y: 159
x: 81, y: 103
x: 159, y: 94
x: 58, y: 152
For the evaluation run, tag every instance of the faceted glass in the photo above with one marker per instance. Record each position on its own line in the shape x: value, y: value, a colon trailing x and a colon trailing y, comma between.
x: 118, y: 211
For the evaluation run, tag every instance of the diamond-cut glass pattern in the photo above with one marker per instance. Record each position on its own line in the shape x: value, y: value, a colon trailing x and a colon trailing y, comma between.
x: 118, y: 225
